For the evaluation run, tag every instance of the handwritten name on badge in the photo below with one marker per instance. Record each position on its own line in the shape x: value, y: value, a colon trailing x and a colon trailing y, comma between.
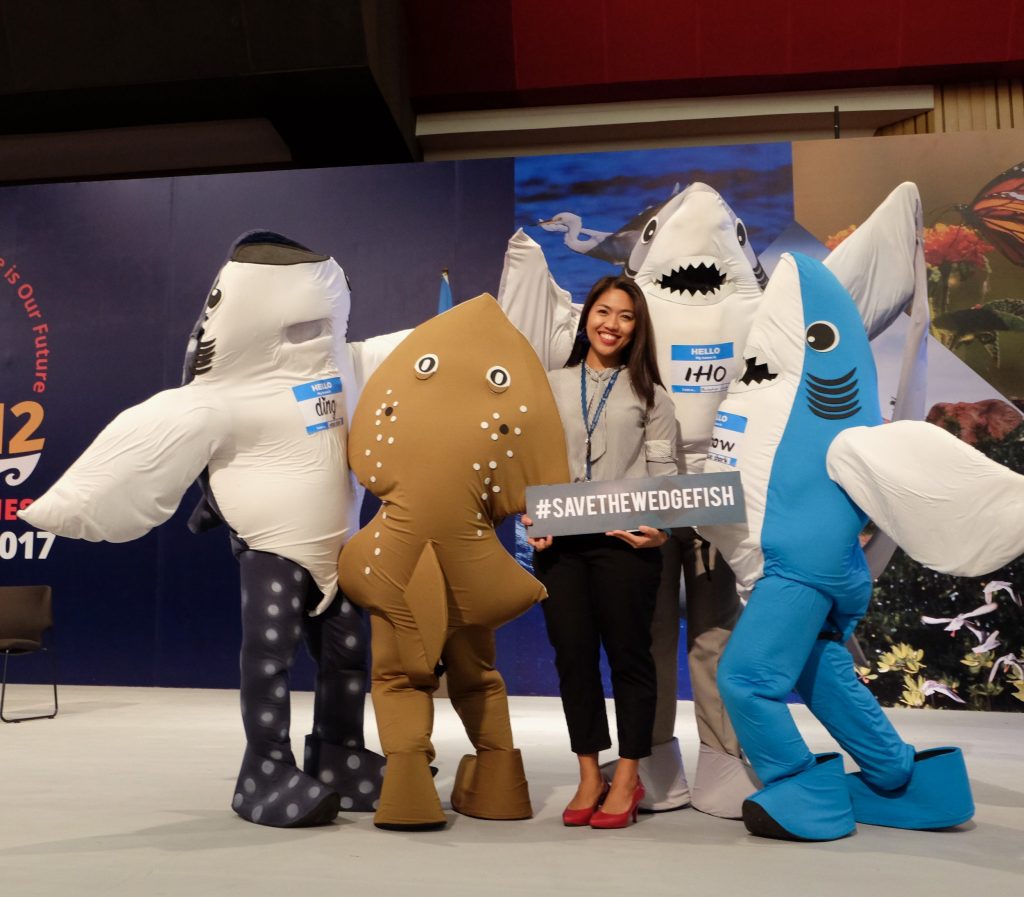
x: 727, y: 437
x: 322, y: 404
x: 702, y: 368
x: 663, y: 502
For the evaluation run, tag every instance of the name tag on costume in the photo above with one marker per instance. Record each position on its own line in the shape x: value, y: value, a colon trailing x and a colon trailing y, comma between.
x: 663, y: 502
x: 321, y: 403
x: 705, y: 368
x: 727, y: 437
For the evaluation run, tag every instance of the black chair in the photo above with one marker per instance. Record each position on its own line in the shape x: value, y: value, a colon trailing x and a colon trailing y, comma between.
x: 26, y: 615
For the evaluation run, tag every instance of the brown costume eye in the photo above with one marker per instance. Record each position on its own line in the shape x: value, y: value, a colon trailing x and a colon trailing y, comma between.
x: 498, y: 379
x: 426, y: 366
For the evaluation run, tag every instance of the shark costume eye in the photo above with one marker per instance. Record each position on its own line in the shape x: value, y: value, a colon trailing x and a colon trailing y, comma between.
x: 426, y: 366
x: 214, y: 300
x: 741, y: 233
x: 498, y: 379
x: 822, y: 336
x: 650, y: 230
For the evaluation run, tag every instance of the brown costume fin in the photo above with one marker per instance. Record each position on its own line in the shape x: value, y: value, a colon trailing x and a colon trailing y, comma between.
x: 426, y: 597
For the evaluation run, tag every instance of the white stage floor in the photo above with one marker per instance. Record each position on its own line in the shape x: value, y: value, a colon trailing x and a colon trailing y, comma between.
x: 127, y: 792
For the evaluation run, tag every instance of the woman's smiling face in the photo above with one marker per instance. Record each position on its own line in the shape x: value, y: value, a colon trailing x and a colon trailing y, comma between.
x: 610, y: 326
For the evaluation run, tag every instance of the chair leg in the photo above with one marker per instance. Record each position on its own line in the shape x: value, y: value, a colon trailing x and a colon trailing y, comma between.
x: 3, y: 688
x: 53, y: 666
x: 3, y: 692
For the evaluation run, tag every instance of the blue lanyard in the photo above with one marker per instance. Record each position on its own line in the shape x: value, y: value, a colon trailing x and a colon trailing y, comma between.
x: 590, y: 426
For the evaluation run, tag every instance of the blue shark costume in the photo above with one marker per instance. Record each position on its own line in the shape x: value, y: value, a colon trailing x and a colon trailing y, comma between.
x: 802, y: 426
x: 270, y: 384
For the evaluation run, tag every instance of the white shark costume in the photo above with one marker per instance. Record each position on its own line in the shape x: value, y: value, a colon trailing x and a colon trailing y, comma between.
x: 269, y: 387
x: 802, y: 425
x: 702, y: 280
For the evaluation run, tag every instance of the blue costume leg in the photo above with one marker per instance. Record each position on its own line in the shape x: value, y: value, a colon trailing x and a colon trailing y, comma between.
x: 895, y: 786
x: 760, y: 667
x: 804, y: 797
x: 335, y: 751
x: 271, y: 790
x: 833, y: 693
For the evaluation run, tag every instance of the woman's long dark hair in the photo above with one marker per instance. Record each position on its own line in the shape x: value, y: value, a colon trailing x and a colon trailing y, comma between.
x: 638, y: 356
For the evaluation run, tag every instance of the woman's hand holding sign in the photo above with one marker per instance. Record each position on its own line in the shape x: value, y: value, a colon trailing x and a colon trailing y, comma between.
x: 641, y: 537
x: 536, y: 544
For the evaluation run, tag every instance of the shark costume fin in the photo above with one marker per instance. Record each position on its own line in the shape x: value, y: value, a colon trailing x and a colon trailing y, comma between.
x: 882, y: 266
x: 540, y: 309
x: 950, y: 508
x: 133, y: 475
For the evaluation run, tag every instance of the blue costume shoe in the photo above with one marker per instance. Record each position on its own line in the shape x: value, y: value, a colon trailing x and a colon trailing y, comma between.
x: 938, y: 794
x: 813, y: 805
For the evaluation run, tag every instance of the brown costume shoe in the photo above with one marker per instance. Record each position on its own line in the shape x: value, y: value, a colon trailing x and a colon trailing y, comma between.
x: 492, y: 785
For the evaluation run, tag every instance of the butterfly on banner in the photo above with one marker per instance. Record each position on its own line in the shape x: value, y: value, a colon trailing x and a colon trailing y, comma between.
x: 997, y: 213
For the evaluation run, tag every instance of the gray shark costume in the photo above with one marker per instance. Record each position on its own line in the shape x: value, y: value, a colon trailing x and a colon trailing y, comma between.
x: 282, y: 605
x: 260, y: 420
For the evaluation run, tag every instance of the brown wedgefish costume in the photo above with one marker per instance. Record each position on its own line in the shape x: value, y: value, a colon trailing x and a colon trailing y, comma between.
x: 448, y: 433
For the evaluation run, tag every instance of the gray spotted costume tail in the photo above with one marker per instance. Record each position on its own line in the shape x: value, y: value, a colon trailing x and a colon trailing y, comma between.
x: 339, y: 773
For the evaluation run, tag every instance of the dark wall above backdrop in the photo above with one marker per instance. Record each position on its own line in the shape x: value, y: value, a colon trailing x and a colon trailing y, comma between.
x: 118, y: 87
x: 122, y: 88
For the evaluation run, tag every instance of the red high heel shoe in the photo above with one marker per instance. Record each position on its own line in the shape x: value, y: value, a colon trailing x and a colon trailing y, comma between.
x: 583, y: 817
x: 600, y: 819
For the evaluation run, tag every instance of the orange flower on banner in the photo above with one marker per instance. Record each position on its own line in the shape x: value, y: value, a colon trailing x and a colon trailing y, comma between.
x: 833, y: 240
x: 974, y: 422
x: 954, y: 244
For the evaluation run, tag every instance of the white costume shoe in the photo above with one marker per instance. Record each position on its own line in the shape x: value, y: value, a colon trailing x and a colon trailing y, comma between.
x: 723, y: 782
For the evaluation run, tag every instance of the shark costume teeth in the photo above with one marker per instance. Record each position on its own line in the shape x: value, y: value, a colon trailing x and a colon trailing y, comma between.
x: 695, y: 278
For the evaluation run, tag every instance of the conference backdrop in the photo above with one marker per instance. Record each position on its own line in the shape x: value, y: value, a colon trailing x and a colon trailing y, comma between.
x: 102, y: 282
